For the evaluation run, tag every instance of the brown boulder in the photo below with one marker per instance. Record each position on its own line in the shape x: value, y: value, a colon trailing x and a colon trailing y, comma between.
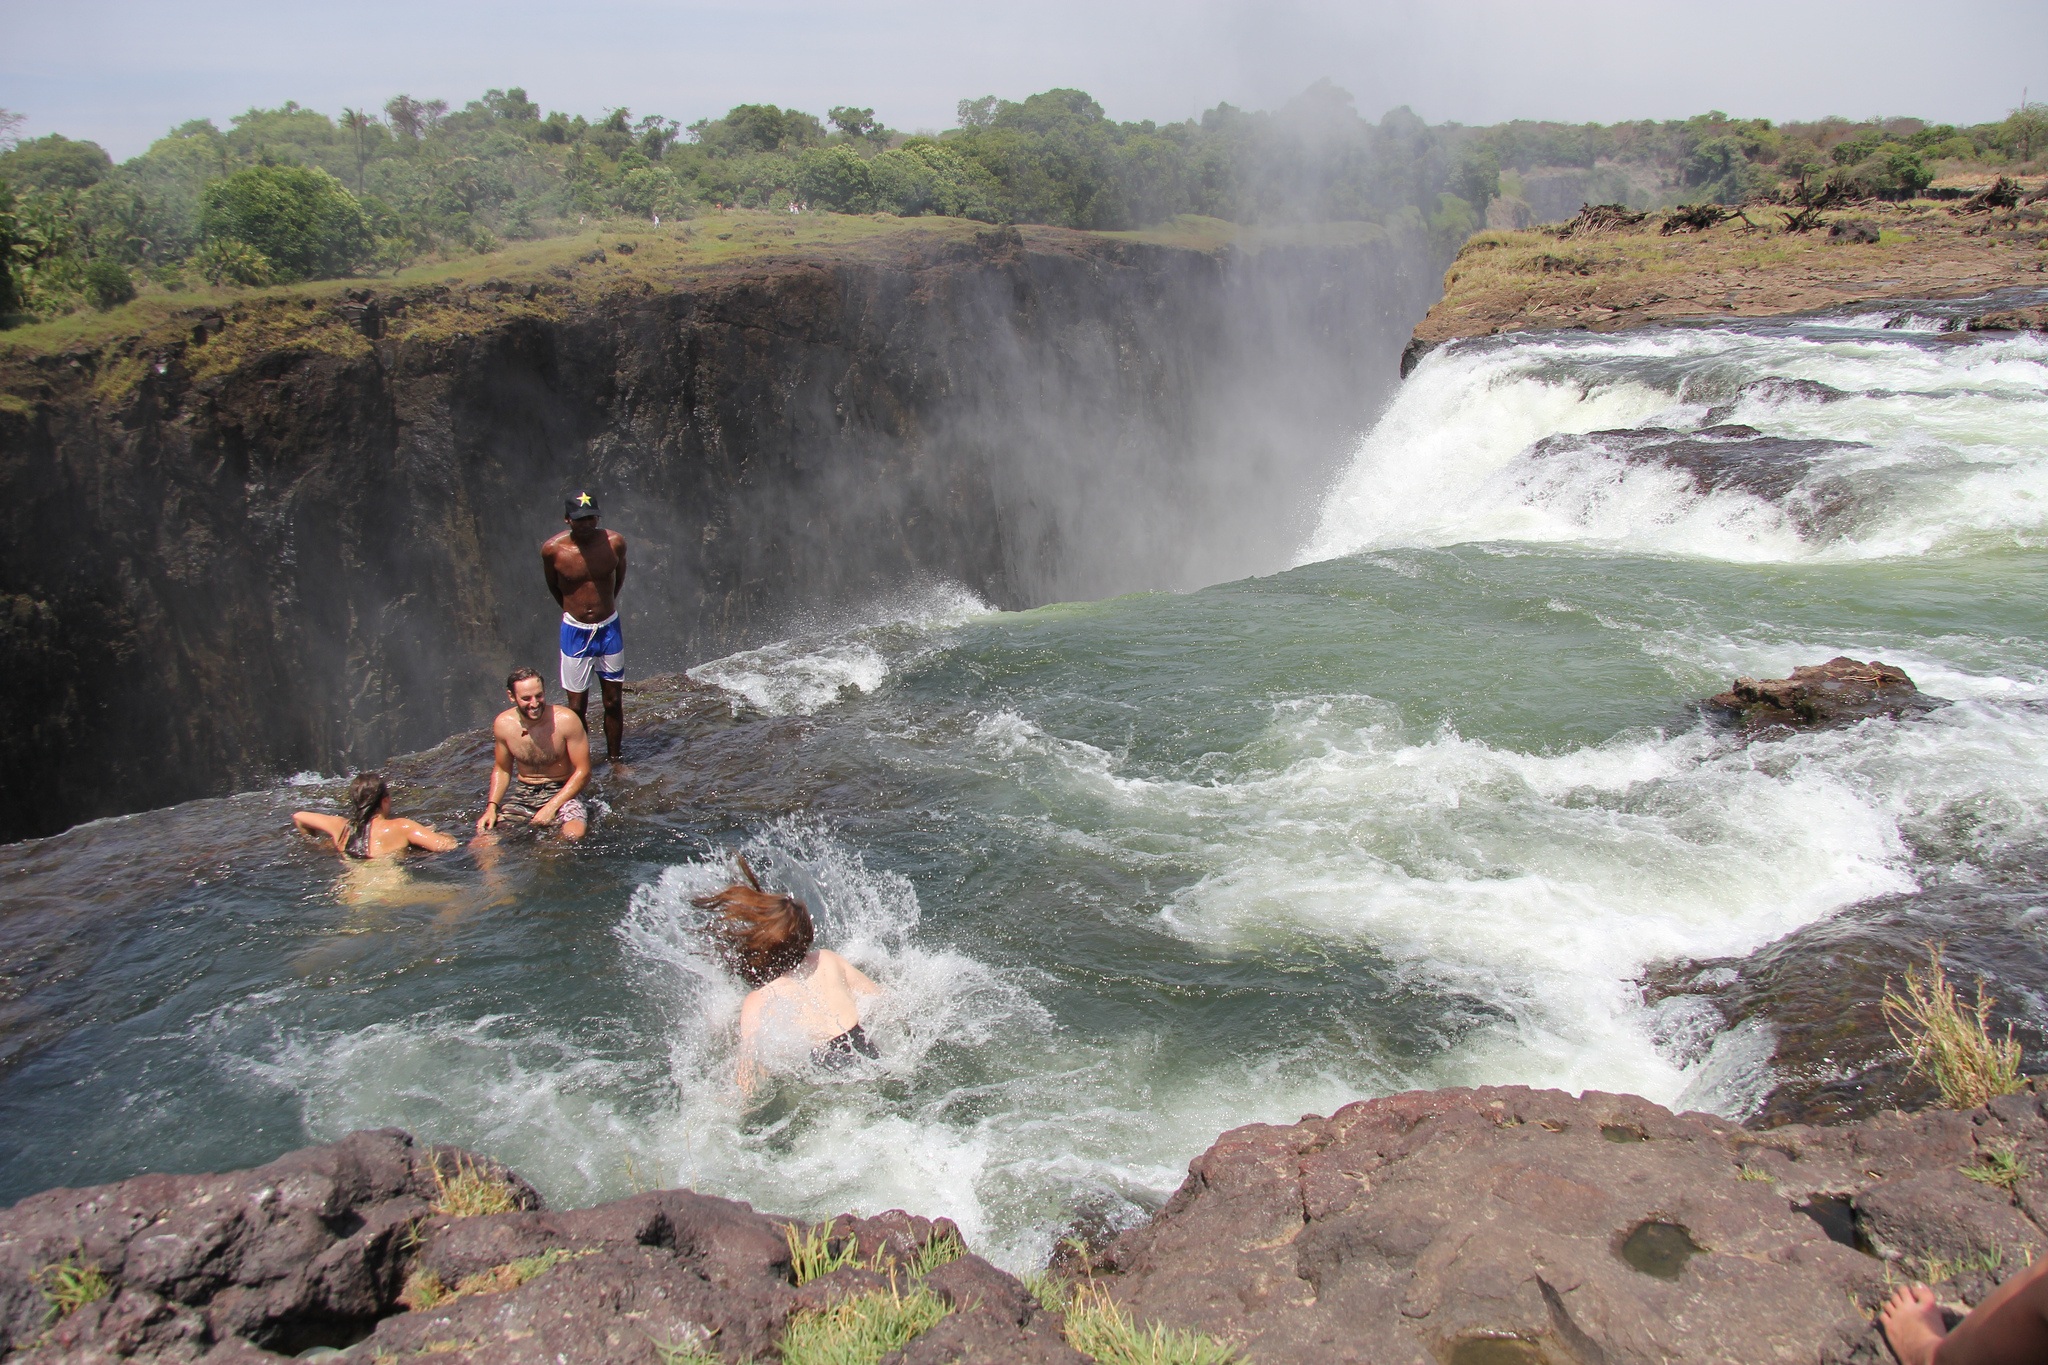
x: 1837, y: 692
x: 340, y: 1245
x: 305, y: 1251
x: 1508, y: 1224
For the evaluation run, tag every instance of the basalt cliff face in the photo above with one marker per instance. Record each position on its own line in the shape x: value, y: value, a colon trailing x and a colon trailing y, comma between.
x: 301, y: 531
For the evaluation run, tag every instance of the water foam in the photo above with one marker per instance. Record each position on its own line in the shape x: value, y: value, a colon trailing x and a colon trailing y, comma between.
x: 835, y: 659
x: 1952, y: 450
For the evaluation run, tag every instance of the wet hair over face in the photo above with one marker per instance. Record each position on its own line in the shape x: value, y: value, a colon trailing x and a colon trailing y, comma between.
x: 760, y: 935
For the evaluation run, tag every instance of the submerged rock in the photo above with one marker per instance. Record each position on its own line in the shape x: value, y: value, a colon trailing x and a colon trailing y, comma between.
x: 1837, y: 692
x: 1507, y: 1224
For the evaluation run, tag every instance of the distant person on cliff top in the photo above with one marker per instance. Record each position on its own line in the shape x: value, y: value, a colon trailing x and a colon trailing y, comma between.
x: 369, y: 830
x: 804, y: 999
x: 2010, y: 1327
x: 542, y: 760
x: 586, y: 568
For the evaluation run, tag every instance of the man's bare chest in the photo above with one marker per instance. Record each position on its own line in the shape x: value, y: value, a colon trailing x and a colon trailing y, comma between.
x: 576, y: 565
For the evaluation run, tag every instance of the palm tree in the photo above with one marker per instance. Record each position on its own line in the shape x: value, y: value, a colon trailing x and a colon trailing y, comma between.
x: 357, y: 122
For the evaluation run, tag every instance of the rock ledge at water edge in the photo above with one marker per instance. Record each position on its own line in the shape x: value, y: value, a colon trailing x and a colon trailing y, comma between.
x: 1452, y: 1227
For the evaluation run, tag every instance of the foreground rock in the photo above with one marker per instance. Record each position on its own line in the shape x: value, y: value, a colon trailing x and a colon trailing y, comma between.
x: 1506, y: 1225
x: 1837, y: 692
x: 1469, y: 1227
x: 332, y: 1245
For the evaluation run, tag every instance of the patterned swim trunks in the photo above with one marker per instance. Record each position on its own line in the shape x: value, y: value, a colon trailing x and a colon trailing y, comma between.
x: 524, y: 799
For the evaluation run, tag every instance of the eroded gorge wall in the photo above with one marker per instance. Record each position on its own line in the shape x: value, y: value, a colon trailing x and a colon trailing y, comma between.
x: 320, y: 558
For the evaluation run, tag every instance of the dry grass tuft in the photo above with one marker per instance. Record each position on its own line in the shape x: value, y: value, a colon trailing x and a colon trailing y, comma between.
x: 472, y: 1190
x: 1949, y: 1044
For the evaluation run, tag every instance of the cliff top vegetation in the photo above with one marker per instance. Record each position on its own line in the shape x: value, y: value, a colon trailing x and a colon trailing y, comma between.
x: 1604, y: 272
x: 291, y: 194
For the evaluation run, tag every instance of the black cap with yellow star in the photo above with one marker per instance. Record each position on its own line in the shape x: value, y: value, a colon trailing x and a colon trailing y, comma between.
x: 581, y: 503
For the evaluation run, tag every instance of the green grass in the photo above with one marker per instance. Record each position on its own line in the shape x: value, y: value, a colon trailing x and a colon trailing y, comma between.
x: 812, y: 1253
x: 471, y: 1191
x: 1754, y: 1173
x: 2002, y: 1167
x: 1938, y: 1269
x: 862, y: 1329
x: 1102, y: 1330
x: 71, y: 1284
x: 1949, y: 1043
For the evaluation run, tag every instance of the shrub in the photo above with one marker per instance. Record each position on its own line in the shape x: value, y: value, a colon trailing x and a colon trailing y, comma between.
x: 107, y: 285
x: 1949, y: 1044
x: 302, y: 220
x: 835, y: 178
x: 227, y: 261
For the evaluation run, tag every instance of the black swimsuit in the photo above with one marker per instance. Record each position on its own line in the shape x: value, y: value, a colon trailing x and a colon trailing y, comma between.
x: 839, y: 1053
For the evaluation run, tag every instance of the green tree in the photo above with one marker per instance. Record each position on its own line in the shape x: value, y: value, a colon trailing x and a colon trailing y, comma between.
x: 857, y: 123
x: 31, y: 234
x: 55, y: 163
x: 2026, y: 130
x: 358, y: 124
x: 834, y: 178
x: 1476, y: 178
x: 303, y: 221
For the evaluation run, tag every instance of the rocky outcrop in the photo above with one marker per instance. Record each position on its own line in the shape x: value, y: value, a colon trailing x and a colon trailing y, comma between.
x: 351, y: 1246
x: 1622, y: 272
x: 1496, y: 1226
x: 1838, y: 692
x: 1513, y: 1225
x: 309, y: 1250
x: 301, y: 531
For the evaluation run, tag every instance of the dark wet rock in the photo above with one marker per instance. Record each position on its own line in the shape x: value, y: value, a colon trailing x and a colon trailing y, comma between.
x: 1726, y: 458
x: 1838, y: 692
x: 1776, y: 389
x: 1408, y: 1228
x: 334, y: 539
x: 1819, y: 990
x: 338, y: 1246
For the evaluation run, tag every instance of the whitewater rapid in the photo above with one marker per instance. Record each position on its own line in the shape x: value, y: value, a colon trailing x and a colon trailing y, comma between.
x: 1421, y: 810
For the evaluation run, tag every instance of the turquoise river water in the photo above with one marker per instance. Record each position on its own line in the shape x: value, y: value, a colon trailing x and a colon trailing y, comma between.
x: 1421, y: 810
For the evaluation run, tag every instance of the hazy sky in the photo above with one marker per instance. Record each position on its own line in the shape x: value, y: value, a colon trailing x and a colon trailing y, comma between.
x: 123, y: 71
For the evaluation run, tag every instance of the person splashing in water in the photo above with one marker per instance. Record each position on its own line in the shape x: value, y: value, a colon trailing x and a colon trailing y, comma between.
x: 801, y: 994
x: 369, y: 830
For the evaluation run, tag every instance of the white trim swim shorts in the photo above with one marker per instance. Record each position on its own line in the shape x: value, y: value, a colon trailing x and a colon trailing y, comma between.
x: 588, y: 645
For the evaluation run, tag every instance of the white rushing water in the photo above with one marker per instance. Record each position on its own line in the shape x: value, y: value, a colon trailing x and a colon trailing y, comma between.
x: 1177, y: 864
x: 1950, y: 445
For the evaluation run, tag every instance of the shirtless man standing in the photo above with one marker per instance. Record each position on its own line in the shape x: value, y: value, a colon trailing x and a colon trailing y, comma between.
x: 548, y: 745
x: 586, y: 568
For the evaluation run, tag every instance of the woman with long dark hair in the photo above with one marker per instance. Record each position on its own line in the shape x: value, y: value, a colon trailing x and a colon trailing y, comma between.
x: 369, y: 830
x: 801, y: 994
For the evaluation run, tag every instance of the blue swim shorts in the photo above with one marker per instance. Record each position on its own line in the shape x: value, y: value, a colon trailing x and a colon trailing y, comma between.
x: 584, y: 646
